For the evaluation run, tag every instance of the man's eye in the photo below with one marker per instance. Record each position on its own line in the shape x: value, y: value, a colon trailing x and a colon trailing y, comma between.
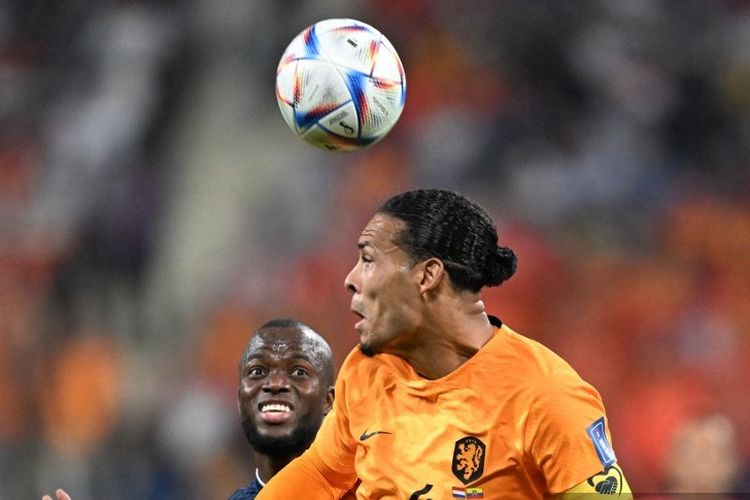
x: 255, y: 371
x: 300, y: 372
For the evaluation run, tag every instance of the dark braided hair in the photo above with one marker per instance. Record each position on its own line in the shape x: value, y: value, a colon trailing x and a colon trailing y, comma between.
x: 457, y: 231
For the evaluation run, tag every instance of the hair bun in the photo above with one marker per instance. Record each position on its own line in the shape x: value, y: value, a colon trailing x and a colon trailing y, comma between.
x: 501, y: 265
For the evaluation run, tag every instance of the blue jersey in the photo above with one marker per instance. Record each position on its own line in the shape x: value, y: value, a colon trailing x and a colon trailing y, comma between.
x: 248, y: 492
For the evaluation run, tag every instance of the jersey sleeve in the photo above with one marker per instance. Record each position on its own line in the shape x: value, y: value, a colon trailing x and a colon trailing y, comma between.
x: 326, y: 469
x: 609, y: 482
x: 566, y: 431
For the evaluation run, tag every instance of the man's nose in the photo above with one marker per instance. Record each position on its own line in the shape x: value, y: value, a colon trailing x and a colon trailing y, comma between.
x: 276, y: 382
x: 349, y: 282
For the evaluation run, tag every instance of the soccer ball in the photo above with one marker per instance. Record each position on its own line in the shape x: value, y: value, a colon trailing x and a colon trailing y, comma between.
x: 340, y: 85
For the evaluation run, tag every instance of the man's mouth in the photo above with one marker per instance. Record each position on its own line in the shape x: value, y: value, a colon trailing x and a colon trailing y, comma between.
x: 356, y: 310
x: 361, y: 321
x: 275, y: 412
x: 275, y: 407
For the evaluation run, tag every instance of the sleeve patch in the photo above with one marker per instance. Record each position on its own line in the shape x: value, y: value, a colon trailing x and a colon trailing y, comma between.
x: 599, y: 438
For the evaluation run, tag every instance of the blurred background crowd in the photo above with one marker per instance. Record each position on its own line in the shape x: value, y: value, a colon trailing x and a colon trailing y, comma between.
x: 154, y: 209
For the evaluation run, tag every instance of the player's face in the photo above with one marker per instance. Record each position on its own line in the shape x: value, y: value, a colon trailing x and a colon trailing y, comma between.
x: 385, y: 289
x: 282, y: 395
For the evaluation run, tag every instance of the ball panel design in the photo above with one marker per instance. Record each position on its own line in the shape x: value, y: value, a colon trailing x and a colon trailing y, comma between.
x: 388, y: 66
x: 317, y: 91
x: 285, y: 82
x: 383, y: 107
x: 351, y: 47
x: 322, y: 137
x: 340, y: 85
x: 287, y: 111
x: 342, y: 121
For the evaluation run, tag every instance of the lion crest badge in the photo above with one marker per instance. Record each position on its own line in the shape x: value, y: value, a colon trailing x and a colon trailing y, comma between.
x: 468, y: 459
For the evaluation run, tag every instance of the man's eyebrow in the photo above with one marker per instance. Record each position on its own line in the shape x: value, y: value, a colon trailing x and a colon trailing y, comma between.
x: 362, y: 244
x: 256, y: 355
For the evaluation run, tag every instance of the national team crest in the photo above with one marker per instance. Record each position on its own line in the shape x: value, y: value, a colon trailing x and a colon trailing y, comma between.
x: 468, y: 459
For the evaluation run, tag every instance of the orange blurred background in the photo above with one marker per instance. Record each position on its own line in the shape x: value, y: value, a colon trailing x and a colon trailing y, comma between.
x: 155, y: 209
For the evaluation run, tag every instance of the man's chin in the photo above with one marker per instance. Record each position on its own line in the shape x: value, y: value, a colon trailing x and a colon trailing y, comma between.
x: 279, y: 440
x: 367, y: 349
x: 278, y: 431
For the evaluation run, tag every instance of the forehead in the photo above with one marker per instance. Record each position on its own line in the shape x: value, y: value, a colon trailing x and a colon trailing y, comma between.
x: 287, y: 342
x: 380, y: 232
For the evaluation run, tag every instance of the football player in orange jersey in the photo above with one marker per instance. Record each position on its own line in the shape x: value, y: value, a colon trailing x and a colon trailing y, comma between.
x: 440, y: 399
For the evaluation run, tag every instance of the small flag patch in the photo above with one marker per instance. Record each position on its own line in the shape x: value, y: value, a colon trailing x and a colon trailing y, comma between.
x: 474, y: 493
x: 458, y: 492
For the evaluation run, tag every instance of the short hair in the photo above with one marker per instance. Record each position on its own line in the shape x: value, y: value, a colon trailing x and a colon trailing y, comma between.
x: 282, y: 323
x: 460, y: 233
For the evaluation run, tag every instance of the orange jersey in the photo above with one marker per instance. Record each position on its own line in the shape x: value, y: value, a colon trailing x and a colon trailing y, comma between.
x: 514, y: 421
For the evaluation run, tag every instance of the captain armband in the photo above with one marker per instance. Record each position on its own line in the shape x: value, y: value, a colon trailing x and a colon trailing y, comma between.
x: 608, y: 483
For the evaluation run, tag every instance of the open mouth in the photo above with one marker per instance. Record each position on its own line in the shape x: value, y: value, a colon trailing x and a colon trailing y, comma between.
x: 275, y: 412
x: 355, y: 309
x: 361, y: 317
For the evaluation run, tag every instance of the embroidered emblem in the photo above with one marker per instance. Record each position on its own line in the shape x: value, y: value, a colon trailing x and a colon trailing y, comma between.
x: 468, y: 459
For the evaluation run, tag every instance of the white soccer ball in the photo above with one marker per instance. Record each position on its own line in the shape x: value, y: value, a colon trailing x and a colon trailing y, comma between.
x: 340, y: 85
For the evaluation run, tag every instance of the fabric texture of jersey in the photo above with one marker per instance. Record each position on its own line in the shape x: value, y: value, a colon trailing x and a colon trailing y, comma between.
x: 511, y: 422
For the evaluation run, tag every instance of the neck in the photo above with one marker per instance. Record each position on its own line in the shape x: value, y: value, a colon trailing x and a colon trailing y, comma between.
x: 449, y: 339
x: 269, y: 466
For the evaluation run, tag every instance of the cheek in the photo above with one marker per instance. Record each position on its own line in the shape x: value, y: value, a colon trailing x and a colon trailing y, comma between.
x: 366, y: 280
x: 380, y: 284
x: 401, y: 305
x: 395, y: 292
x: 309, y: 391
x: 245, y: 390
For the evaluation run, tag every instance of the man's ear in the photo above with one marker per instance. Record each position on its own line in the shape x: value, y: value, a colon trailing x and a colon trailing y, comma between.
x: 432, y: 273
x: 328, y: 403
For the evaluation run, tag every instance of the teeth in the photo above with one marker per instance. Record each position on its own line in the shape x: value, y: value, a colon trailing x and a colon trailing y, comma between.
x: 275, y: 407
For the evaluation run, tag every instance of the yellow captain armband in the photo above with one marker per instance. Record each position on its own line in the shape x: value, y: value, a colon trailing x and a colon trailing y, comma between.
x: 607, y: 484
